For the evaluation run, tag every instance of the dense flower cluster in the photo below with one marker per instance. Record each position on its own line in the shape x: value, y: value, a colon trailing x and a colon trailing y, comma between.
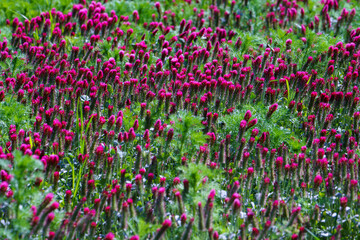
x: 130, y: 122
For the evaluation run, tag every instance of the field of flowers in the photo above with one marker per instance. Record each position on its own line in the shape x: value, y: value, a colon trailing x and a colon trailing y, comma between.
x: 179, y: 119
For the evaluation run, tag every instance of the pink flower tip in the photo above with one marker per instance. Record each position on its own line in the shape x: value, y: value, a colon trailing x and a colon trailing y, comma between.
x: 167, y: 223
x: 109, y: 236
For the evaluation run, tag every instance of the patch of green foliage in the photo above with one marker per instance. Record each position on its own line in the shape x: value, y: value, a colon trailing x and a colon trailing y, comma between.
x: 27, y: 9
x: 13, y: 112
x: 24, y: 170
x: 282, y: 125
x: 187, y: 132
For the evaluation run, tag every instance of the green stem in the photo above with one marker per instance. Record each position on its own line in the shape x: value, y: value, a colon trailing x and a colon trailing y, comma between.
x: 78, y: 179
x: 73, y: 172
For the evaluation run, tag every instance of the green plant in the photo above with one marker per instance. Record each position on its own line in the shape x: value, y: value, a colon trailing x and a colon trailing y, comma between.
x: 25, y: 171
x: 188, y: 133
x: 15, y: 113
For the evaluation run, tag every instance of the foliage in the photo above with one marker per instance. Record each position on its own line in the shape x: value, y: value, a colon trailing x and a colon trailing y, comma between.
x: 27, y: 9
x: 24, y: 171
x: 13, y: 112
x: 188, y: 132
